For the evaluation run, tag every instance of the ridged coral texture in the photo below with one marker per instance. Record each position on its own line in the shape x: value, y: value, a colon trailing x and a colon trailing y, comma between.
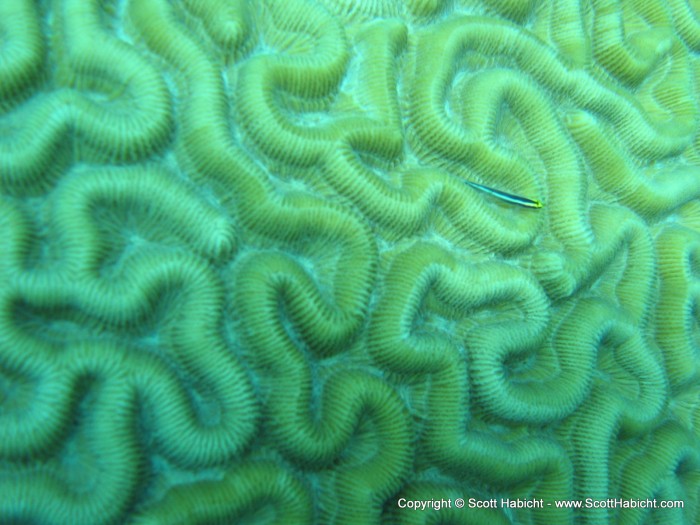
x: 243, y: 278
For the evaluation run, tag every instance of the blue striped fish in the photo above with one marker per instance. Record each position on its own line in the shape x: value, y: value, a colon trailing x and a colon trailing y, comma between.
x: 508, y: 197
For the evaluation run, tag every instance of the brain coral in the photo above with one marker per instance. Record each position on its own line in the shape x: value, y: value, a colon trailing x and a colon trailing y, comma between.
x: 242, y: 278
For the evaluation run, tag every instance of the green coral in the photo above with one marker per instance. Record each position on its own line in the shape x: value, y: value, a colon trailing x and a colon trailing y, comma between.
x: 242, y: 278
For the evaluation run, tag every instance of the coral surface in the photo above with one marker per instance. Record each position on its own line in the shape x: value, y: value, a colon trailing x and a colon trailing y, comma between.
x: 243, y: 280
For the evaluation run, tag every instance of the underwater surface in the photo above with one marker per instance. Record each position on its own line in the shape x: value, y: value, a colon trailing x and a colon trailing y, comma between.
x: 349, y: 262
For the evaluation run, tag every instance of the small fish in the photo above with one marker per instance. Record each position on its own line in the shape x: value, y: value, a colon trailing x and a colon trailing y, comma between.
x: 508, y: 197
